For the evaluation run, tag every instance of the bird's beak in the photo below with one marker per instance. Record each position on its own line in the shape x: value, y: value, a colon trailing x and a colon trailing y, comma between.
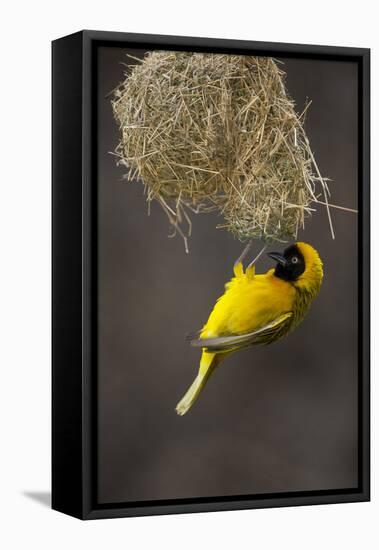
x: 278, y: 258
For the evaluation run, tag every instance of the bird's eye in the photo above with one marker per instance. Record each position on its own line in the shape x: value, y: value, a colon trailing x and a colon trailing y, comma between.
x: 294, y: 260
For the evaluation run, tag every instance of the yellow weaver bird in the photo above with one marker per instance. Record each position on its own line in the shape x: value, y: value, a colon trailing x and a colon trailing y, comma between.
x: 256, y: 309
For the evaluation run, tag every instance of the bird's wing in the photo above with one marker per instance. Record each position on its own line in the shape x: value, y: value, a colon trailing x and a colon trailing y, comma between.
x: 264, y: 335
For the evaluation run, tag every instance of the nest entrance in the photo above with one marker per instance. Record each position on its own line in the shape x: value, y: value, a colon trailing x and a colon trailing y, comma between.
x: 214, y: 132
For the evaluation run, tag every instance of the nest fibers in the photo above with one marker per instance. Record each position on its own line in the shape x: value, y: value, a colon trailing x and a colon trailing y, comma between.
x: 207, y: 132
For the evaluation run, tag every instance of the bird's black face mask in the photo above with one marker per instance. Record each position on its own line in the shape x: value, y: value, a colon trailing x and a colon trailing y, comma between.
x: 290, y: 265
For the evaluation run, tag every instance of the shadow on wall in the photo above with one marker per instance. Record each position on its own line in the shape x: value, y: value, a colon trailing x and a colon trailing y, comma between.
x: 41, y: 497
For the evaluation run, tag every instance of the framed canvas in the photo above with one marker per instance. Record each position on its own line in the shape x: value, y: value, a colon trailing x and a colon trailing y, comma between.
x: 253, y: 158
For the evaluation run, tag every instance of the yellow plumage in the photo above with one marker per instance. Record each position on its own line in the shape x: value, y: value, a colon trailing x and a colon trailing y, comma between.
x: 256, y: 309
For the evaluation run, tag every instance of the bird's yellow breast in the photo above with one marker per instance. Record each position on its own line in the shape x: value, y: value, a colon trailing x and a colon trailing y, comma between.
x: 248, y: 303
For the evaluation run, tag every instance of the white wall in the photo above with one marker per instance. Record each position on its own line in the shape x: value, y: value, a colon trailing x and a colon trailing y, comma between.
x: 26, y: 31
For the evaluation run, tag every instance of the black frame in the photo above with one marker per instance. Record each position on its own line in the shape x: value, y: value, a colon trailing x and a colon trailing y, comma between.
x: 74, y: 203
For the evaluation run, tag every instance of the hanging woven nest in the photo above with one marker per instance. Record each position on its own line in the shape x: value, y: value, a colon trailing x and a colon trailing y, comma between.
x: 211, y: 132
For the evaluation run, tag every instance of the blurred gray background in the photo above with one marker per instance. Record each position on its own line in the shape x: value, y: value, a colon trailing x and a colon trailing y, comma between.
x: 272, y: 419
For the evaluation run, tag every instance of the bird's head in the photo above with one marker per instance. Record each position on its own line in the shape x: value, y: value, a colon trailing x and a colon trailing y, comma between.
x: 299, y: 264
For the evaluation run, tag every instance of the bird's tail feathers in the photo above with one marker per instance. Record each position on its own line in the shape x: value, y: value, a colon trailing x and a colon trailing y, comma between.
x: 198, y: 384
